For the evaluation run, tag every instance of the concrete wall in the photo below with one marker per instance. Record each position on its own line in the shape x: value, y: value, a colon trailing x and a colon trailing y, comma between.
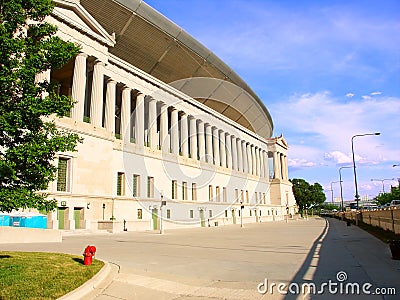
x: 29, y: 235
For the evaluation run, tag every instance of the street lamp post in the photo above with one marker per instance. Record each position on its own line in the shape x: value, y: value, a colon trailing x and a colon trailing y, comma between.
x: 354, y: 162
x: 383, y: 184
x: 241, y: 213
x: 163, y: 203
x: 332, y: 188
x: 341, y: 188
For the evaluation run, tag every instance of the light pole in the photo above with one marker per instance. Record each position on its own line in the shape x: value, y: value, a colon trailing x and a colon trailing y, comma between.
x: 383, y: 184
x: 241, y: 213
x: 354, y: 163
x: 163, y: 203
x: 332, y: 188
x: 341, y: 188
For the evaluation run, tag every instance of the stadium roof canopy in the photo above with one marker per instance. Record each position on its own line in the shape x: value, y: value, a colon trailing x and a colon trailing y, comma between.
x: 151, y: 42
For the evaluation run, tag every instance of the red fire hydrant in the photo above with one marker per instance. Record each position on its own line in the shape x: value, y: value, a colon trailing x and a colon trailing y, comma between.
x: 88, y: 254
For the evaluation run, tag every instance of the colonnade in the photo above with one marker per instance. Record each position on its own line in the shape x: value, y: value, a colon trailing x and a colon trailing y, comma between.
x: 165, y: 127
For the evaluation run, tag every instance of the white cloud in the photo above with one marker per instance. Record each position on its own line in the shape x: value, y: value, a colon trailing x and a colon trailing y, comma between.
x: 366, y: 97
x: 350, y: 95
x: 297, y: 163
x: 328, y: 125
x: 376, y: 93
x: 338, y: 157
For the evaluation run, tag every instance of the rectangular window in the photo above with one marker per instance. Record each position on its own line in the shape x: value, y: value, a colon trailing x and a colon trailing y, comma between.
x: 168, y: 214
x: 184, y: 190
x: 120, y: 184
x: 150, y: 187
x: 63, y: 174
x: 236, y: 195
x: 264, y: 198
x: 241, y: 196
x: 191, y: 214
x: 139, y: 213
x: 256, y: 197
x: 210, y: 193
x: 174, y: 189
x: 135, y: 185
x: 217, y: 192
x: 194, y: 192
x: 224, y: 194
x: 226, y: 213
x: 247, y: 196
x: 250, y: 212
x: 210, y: 213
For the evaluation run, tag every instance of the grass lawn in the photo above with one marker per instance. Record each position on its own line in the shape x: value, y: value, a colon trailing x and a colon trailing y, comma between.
x: 37, y: 275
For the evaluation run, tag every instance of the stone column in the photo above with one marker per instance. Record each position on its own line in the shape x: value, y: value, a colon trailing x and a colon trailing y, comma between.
x: 174, y: 132
x: 209, y: 147
x: 222, y: 148
x: 245, y: 160
x: 125, y: 130
x: 164, y: 141
x: 217, y: 161
x: 139, y: 120
x: 79, y: 87
x: 240, y: 154
x: 261, y: 157
x: 152, y: 126
x: 266, y: 165
x: 234, y: 154
x: 96, y: 102
x: 228, y: 143
x: 201, y: 140
x: 193, y: 137
x: 249, y: 159
x: 276, y: 165
x: 286, y: 168
x: 109, y: 115
x: 253, y: 160
x: 184, y: 136
x: 42, y: 77
x: 257, y: 160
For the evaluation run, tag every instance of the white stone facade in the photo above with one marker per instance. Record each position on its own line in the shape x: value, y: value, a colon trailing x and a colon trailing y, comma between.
x: 145, y: 142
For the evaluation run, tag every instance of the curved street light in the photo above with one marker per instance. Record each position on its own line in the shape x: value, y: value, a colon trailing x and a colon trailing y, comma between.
x: 340, y: 181
x: 354, y: 162
x: 332, y: 188
x: 383, y: 185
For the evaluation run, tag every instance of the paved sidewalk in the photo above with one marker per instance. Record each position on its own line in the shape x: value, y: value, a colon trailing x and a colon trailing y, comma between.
x: 230, y: 262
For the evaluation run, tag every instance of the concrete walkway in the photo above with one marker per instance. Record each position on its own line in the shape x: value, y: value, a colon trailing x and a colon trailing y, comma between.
x: 233, y: 263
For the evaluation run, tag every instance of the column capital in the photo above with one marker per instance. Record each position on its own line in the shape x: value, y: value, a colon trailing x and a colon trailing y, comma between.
x: 82, y: 54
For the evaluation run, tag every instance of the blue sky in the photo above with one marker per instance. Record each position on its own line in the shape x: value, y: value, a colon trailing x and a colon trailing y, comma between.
x: 326, y: 70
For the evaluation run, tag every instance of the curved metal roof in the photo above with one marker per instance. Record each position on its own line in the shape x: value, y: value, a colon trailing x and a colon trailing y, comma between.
x: 148, y: 40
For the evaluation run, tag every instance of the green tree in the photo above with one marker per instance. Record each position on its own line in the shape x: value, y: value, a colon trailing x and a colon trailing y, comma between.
x: 29, y: 138
x: 307, y: 194
x: 385, y: 198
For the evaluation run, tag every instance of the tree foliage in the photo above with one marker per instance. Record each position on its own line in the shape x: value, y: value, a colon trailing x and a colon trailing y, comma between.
x: 29, y: 138
x: 385, y: 198
x: 307, y: 194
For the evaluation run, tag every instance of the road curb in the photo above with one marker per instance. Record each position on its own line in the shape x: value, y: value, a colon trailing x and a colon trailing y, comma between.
x: 94, y: 286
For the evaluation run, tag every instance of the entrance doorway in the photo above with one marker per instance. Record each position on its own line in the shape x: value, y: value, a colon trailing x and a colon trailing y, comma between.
x: 62, y: 216
x: 78, y: 217
x: 202, y: 219
x: 154, y: 215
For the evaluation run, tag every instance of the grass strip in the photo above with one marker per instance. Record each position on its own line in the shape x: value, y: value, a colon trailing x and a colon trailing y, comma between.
x: 38, y: 275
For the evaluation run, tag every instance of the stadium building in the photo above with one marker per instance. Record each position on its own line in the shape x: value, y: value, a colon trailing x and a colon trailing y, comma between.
x: 172, y: 136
